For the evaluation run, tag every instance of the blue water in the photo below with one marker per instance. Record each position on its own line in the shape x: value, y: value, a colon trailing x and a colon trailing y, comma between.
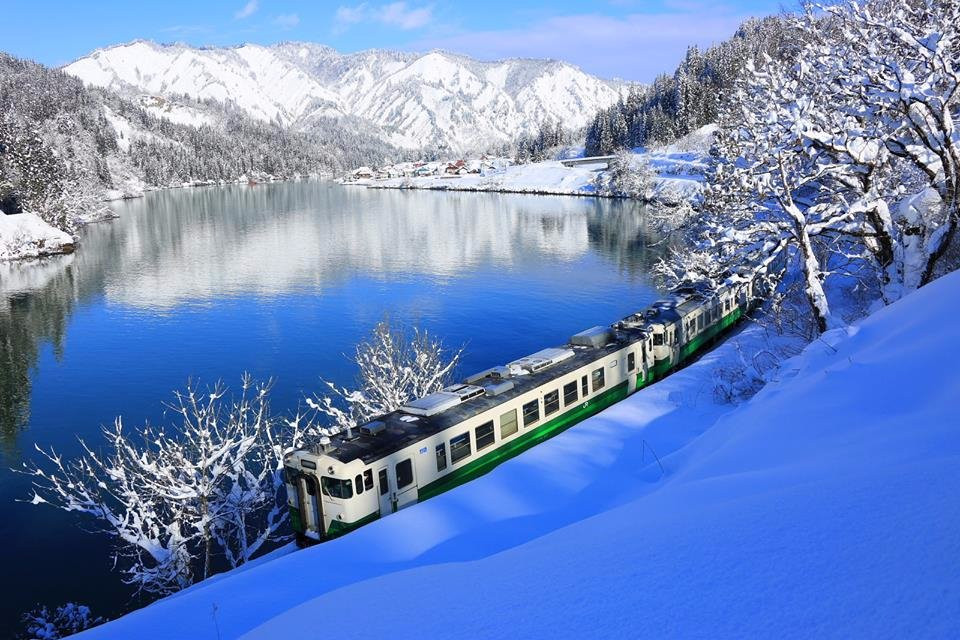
x: 281, y: 281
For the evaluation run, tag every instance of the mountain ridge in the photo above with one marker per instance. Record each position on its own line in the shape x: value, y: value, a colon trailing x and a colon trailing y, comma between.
x: 434, y: 100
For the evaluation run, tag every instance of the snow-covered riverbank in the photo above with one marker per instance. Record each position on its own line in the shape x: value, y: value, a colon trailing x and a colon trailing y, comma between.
x: 818, y: 508
x: 26, y: 235
x: 679, y: 175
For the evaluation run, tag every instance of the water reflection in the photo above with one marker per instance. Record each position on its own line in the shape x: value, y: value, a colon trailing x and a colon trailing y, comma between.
x: 203, y: 245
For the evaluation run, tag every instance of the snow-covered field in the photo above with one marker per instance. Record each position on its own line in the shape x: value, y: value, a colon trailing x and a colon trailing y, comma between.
x: 679, y: 168
x: 823, y: 507
x: 26, y: 235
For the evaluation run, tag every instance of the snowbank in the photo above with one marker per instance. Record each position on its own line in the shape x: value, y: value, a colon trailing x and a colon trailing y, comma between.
x: 26, y: 235
x: 823, y: 507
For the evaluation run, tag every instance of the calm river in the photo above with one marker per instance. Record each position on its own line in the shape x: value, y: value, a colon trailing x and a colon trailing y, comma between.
x: 280, y: 280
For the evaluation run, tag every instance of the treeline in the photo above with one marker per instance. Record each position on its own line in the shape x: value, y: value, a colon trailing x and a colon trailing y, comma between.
x: 543, y: 145
x: 677, y: 104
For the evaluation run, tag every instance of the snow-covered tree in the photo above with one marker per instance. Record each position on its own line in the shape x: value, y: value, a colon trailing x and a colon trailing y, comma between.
x: 395, y: 365
x: 763, y: 190
x: 173, y: 496
x: 890, y: 76
x: 628, y: 175
x: 66, y: 620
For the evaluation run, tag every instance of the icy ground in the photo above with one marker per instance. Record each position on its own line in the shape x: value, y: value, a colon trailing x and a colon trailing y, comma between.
x: 826, y: 506
x: 679, y: 169
x: 26, y: 235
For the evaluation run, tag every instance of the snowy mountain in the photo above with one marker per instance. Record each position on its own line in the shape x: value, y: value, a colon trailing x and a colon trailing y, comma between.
x: 415, y: 101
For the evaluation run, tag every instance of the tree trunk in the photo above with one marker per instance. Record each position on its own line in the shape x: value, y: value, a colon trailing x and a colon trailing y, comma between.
x: 812, y: 273
x: 945, y: 242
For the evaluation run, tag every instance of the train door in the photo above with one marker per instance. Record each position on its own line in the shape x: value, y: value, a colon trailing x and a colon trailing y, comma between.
x: 387, y: 504
x: 310, y: 509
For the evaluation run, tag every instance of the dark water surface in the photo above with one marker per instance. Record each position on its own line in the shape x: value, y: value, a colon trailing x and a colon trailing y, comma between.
x: 279, y: 280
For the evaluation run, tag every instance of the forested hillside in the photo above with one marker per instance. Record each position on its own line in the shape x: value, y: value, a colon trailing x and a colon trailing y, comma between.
x: 674, y: 105
x: 62, y: 145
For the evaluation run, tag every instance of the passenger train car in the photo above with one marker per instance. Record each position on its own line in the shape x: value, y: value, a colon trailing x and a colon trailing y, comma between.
x: 442, y: 440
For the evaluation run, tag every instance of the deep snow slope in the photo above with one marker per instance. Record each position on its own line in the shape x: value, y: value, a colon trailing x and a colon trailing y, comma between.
x: 416, y: 100
x: 826, y: 506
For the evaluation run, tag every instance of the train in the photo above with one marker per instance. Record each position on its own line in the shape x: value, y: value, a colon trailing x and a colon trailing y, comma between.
x: 435, y: 443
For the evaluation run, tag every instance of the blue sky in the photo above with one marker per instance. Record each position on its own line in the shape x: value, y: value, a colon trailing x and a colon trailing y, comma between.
x: 631, y: 39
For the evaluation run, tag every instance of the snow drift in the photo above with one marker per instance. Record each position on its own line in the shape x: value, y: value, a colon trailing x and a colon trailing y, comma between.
x: 824, y: 507
x: 26, y: 235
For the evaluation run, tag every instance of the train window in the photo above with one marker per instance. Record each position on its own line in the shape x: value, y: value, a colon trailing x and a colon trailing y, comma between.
x: 597, y: 379
x: 382, y: 479
x: 368, y: 479
x: 570, y: 393
x: 508, y: 424
x: 631, y: 361
x: 658, y: 339
x: 584, y: 387
x: 531, y: 412
x: 459, y: 447
x: 441, y: 456
x: 700, y: 322
x: 551, y: 402
x: 336, y: 488
x: 404, y: 473
x: 358, y: 483
x: 484, y: 435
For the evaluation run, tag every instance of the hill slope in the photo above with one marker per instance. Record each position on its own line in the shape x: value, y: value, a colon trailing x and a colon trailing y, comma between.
x: 434, y: 100
x: 823, y: 507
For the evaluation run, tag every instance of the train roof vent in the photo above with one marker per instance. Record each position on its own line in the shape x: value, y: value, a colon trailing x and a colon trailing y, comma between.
x: 594, y: 337
x: 464, y: 391
x: 373, y: 428
x: 497, y: 388
x: 493, y: 372
x: 540, y: 360
x: 442, y: 400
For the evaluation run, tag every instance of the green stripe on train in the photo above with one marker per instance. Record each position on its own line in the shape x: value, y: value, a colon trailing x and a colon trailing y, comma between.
x: 545, y: 431
x: 338, y: 528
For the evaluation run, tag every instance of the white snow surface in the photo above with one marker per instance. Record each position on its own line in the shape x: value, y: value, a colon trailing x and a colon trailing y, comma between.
x: 26, y: 235
x: 823, y: 507
x: 414, y: 100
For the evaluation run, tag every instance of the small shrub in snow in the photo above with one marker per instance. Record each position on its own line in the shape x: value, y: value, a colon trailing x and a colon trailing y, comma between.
x: 64, y: 621
x: 175, y: 497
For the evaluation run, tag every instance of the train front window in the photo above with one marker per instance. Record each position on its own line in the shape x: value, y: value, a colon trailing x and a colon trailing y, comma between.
x: 631, y: 361
x: 336, y: 488
x: 658, y: 339
x: 358, y: 482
